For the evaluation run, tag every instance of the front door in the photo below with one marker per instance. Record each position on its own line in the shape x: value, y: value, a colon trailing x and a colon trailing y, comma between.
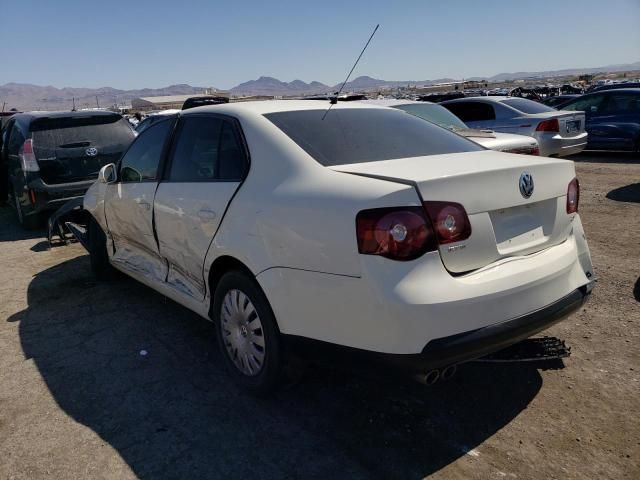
x: 206, y: 166
x: 129, y: 204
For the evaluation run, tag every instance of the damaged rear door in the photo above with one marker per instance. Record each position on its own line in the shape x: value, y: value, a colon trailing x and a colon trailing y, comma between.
x: 129, y: 204
x: 205, y: 167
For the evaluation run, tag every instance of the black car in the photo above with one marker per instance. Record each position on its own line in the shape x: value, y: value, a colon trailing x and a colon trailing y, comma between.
x: 52, y: 157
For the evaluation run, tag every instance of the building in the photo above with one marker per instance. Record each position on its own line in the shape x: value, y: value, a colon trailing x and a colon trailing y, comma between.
x: 146, y: 104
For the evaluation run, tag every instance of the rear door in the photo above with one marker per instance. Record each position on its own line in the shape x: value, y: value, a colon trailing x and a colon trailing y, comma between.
x: 206, y: 165
x: 129, y: 204
x: 591, y: 106
x: 617, y: 123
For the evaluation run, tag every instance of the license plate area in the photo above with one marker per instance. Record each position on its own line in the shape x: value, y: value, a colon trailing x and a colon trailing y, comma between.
x: 522, y: 227
x: 572, y: 126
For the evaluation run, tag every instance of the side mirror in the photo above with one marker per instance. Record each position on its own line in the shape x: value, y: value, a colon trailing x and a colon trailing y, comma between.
x: 107, y: 174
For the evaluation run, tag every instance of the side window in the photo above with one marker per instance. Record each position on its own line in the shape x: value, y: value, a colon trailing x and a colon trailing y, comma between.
x: 472, y: 111
x: 621, y: 103
x: 207, y: 149
x: 141, y: 161
x: 591, y: 103
x: 16, y: 139
x: 231, y: 162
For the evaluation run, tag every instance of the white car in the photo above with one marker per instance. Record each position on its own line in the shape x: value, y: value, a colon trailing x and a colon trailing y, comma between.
x: 363, y: 228
x: 502, y: 142
x: 559, y: 133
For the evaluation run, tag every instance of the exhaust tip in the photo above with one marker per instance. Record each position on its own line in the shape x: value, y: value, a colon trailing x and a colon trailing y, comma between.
x: 429, y: 378
x: 449, y: 372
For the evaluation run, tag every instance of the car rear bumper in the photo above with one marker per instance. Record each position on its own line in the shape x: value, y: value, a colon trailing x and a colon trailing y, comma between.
x: 399, y: 307
x: 453, y: 349
x: 51, y: 197
x: 559, y: 146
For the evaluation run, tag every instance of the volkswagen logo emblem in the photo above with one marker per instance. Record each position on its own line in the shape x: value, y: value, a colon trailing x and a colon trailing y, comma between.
x: 526, y: 184
x: 91, y: 151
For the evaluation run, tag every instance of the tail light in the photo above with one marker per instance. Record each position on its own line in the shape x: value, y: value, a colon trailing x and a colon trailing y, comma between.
x: 398, y: 233
x: 27, y: 158
x: 573, y: 196
x: 406, y: 233
x: 548, y: 126
x: 535, y: 151
x: 449, y: 220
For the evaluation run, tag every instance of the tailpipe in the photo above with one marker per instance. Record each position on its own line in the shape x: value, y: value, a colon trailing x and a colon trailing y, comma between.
x: 429, y: 378
x: 448, y: 373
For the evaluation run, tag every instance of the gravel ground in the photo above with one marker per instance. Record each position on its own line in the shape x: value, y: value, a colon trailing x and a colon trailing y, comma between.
x: 78, y: 400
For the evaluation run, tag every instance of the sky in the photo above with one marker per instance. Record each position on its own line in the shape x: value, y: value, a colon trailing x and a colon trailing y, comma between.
x: 131, y: 44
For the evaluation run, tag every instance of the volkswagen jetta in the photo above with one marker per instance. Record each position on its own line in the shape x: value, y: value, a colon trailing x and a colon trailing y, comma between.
x: 363, y: 228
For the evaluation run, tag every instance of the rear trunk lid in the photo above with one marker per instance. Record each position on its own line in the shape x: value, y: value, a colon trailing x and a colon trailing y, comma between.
x: 504, y: 222
x: 571, y: 123
x: 74, y: 149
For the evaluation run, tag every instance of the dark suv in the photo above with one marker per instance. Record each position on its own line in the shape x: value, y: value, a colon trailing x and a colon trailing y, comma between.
x: 55, y: 156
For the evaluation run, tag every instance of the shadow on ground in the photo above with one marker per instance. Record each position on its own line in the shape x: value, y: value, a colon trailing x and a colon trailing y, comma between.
x: 628, y: 193
x: 598, y: 156
x: 10, y: 229
x: 636, y: 290
x: 173, y: 413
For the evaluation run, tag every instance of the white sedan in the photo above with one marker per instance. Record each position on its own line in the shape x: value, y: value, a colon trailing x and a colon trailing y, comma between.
x: 559, y: 133
x: 364, y: 229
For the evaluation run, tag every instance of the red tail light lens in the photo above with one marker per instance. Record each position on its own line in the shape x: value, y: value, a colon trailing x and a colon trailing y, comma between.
x: 449, y: 220
x: 27, y: 158
x: 573, y: 196
x: 548, y: 126
x: 402, y: 233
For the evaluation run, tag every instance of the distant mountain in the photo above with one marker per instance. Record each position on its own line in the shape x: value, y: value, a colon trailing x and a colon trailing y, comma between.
x: 501, y: 77
x: 33, y: 97
x: 273, y: 86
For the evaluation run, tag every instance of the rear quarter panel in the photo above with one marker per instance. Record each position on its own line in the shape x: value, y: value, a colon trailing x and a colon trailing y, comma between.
x: 293, y: 212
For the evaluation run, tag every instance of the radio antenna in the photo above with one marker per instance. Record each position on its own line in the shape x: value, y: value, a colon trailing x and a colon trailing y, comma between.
x: 334, y: 100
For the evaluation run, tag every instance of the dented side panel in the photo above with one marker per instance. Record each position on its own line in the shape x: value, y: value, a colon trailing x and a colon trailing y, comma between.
x: 129, y: 216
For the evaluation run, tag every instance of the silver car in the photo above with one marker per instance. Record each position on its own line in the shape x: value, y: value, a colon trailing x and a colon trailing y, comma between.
x: 559, y: 133
x: 502, y: 142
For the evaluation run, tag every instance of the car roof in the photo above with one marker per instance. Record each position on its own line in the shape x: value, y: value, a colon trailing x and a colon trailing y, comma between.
x: 394, y: 102
x: 263, y: 107
x: 616, y: 90
x: 66, y: 114
x: 484, y: 98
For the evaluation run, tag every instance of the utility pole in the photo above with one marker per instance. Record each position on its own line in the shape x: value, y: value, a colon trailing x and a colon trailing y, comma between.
x: 3, y: 104
x: 97, y: 103
x: 74, y: 104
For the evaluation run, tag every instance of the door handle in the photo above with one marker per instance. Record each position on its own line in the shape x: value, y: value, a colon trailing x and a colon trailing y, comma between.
x: 143, y: 204
x: 206, y: 214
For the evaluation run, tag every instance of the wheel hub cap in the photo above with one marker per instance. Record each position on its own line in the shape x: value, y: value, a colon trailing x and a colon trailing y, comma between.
x: 242, y: 333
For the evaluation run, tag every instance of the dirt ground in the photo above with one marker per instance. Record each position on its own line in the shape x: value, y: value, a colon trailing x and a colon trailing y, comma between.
x: 78, y: 400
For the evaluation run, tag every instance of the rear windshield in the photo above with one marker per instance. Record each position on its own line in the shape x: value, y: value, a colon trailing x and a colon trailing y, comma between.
x: 81, y: 131
x: 527, y: 106
x: 433, y: 113
x: 351, y: 135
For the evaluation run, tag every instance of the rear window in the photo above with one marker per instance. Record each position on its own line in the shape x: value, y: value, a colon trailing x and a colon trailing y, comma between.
x: 350, y: 135
x: 97, y: 131
x: 433, y: 113
x: 527, y: 106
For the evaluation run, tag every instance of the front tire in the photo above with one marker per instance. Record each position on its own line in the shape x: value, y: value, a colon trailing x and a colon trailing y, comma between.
x: 247, y: 332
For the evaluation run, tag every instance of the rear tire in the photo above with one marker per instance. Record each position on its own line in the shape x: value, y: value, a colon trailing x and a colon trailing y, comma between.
x: 28, y: 222
x: 98, y: 255
x: 247, y: 332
